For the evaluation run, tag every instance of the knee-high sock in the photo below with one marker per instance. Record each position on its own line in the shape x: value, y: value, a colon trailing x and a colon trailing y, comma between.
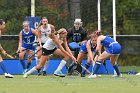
x: 28, y: 64
x: 96, y: 67
x: 46, y: 66
x: 61, y: 65
x: 93, y: 66
x: 87, y: 65
x: 31, y: 71
x: 23, y: 64
x: 116, y: 67
x: 3, y: 67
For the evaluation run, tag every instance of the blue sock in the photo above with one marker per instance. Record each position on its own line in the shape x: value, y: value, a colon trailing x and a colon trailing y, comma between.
x: 3, y: 67
x: 23, y: 64
x: 28, y: 64
x: 87, y: 65
x: 96, y: 67
x: 116, y: 67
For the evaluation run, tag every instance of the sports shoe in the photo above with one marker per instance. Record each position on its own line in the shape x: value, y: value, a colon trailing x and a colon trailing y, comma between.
x: 44, y: 73
x: 138, y: 74
x: 59, y: 73
x: 83, y: 75
x: 115, y: 76
x: 39, y: 72
x: 92, y: 76
x: 24, y: 71
x: 7, y: 75
x: 25, y: 75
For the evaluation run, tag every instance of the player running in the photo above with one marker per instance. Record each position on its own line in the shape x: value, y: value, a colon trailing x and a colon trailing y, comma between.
x: 50, y: 48
x: 86, y: 49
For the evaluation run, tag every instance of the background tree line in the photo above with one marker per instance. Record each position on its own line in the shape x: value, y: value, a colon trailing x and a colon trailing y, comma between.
x: 62, y: 13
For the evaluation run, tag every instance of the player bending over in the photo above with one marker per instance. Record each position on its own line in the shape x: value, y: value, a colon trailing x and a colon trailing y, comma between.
x: 113, y: 49
x: 50, y: 48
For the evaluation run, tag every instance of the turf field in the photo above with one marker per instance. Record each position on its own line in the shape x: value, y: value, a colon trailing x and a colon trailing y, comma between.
x: 70, y: 84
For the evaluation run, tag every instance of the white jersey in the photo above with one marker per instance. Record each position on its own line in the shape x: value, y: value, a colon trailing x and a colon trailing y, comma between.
x: 44, y: 33
x: 50, y: 44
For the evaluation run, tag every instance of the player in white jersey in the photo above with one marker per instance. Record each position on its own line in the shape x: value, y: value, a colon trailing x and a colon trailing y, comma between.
x: 50, y: 48
x: 43, y: 30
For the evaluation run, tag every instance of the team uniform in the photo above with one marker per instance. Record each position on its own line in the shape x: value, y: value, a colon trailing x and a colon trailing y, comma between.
x: 44, y: 38
x: 84, y: 49
x: 112, y: 47
x: 28, y: 40
x: 44, y: 33
x: 49, y: 47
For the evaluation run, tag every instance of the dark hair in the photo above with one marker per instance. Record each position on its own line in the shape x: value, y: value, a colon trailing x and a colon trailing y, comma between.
x: 98, y: 32
x: 1, y: 21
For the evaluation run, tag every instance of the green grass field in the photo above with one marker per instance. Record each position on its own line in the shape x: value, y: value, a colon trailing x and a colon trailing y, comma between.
x: 69, y: 84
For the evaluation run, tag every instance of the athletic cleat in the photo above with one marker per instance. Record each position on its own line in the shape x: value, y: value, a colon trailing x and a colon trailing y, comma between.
x: 24, y: 71
x: 59, y: 73
x: 117, y: 76
x: 138, y: 74
x: 92, y: 76
x: 39, y: 72
x: 7, y: 75
x: 25, y: 75
x: 44, y: 73
x: 83, y: 74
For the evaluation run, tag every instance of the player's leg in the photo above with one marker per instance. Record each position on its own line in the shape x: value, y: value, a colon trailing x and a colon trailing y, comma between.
x: 102, y: 57
x: 87, y: 65
x: 113, y: 60
x: 21, y: 58
x: 39, y: 53
x: 4, y: 69
x: 30, y: 52
x: 74, y: 65
x: 63, y: 62
x: 43, y: 60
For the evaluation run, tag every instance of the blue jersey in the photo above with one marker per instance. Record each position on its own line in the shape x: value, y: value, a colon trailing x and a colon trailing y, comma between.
x: 111, y: 45
x: 84, y: 49
x: 28, y: 39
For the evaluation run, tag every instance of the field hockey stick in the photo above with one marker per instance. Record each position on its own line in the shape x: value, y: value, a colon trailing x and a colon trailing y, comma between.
x: 16, y: 53
x: 34, y: 53
x: 85, y: 69
x: 10, y: 56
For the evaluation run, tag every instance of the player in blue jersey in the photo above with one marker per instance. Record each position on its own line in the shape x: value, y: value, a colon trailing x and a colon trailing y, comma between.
x: 113, y: 49
x: 2, y: 66
x: 86, y: 49
x: 26, y: 41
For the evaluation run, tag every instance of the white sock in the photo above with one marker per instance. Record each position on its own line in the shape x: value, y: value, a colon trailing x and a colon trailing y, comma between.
x: 61, y: 65
x: 31, y: 71
x: 46, y: 66
x: 37, y: 61
x: 93, y: 66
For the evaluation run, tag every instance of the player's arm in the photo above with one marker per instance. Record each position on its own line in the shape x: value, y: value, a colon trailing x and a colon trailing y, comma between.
x: 99, y: 45
x: 56, y: 40
x: 38, y: 36
x: 52, y: 28
x: 88, y: 46
x: 20, y: 41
